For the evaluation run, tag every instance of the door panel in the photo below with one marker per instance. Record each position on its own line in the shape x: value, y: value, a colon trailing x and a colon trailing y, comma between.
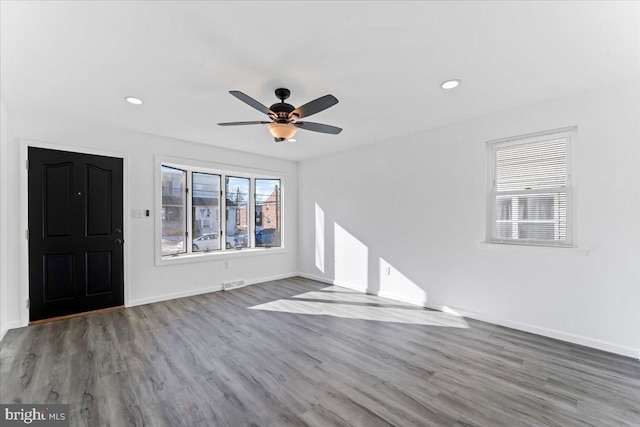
x: 99, y: 206
x: 99, y: 273
x: 75, y: 233
x: 58, y: 200
x: 58, y: 277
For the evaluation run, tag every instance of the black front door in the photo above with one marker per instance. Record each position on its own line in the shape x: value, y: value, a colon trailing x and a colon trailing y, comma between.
x: 75, y: 233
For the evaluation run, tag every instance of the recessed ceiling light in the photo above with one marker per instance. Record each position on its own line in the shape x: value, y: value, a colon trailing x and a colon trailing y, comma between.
x: 450, y: 84
x: 291, y: 140
x: 133, y: 100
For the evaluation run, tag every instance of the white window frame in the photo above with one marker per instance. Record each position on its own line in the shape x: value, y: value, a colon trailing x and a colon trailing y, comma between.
x: 570, y: 135
x: 223, y: 170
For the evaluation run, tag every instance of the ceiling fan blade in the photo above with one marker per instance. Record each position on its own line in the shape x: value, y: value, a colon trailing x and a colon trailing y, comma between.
x: 314, y: 106
x: 250, y: 101
x: 318, y: 127
x: 243, y: 123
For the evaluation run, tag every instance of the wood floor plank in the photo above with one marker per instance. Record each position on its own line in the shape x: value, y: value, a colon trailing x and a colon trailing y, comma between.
x: 296, y: 352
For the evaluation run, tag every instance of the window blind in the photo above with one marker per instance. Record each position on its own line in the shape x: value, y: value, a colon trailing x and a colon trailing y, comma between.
x: 536, y: 165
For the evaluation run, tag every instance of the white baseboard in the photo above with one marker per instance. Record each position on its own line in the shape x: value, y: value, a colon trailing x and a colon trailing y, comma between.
x: 402, y: 298
x: 200, y: 291
x: 272, y: 278
x: 175, y: 295
x: 525, y: 327
x: 332, y: 282
x: 10, y: 325
x: 554, y: 333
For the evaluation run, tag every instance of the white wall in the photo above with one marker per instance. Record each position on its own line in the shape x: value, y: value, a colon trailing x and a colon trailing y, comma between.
x: 144, y: 281
x: 416, y: 207
x: 4, y: 136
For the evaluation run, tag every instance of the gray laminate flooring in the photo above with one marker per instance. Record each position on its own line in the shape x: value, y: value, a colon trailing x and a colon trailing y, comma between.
x: 297, y: 352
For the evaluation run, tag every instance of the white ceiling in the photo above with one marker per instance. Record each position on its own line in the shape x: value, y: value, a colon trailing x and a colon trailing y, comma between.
x: 384, y: 61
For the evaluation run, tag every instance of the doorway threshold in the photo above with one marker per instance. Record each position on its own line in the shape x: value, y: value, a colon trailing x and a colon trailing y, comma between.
x: 71, y: 316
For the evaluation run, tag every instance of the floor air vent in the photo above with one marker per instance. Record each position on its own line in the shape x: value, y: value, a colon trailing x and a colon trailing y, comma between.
x: 227, y: 286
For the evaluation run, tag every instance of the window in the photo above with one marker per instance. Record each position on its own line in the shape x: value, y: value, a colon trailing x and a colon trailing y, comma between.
x: 267, y: 230
x: 237, y: 212
x: 206, y: 210
x: 530, y: 189
x: 174, y: 206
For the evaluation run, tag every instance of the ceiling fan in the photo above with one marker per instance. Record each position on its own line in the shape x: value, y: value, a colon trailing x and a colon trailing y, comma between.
x: 284, y: 117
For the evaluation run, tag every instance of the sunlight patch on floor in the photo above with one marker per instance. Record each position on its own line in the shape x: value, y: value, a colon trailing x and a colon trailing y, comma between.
x: 343, y: 303
x: 338, y: 294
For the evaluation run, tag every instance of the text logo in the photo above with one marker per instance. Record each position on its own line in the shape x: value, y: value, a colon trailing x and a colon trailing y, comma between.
x: 34, y: 415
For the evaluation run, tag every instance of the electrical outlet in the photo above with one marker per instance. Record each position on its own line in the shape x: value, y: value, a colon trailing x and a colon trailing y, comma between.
x: 227, y: 264
x: 387, y: 271
x: 136, y: 213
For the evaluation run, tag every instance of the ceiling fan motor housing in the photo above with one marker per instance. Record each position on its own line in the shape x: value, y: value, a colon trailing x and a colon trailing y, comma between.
x: 282, y: 111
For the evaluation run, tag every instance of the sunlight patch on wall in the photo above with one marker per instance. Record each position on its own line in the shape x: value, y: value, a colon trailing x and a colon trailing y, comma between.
x: 395, y: 284
x: 319, y: 238
x: 351, y: 259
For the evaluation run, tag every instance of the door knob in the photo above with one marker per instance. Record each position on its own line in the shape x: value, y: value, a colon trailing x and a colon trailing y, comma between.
x: 119, y: 241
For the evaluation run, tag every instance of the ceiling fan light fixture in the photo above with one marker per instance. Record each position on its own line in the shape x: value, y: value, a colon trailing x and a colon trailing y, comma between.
x: 282, y: 130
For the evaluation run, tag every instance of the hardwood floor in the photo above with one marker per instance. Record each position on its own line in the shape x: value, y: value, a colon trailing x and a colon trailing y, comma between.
x: 297, y: 352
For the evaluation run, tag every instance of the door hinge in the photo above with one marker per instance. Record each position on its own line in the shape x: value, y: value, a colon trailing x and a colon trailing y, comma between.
x: 28, y: 303
x: 27, y: 164
x: 27, y: 234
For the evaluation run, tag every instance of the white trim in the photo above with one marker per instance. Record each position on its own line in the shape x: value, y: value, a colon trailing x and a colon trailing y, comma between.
x: 333, y: 282
x: 554, y: 333
x: 216, y: 288
x: 24, y: 215
x: 525, y: 327
x: 219, y: 255
x: 4, y: 283
x: 402, y: 298
x: 10, y: 325
x: 534, y: 248
x: 535, y: 136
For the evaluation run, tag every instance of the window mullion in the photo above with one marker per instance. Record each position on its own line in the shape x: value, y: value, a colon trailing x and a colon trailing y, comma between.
x: 552, y: 190
x: 252, y: 213
x: 223, y: 212
x: 189, y: 212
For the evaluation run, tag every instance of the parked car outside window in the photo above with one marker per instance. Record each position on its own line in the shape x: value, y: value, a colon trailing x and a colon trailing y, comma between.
x: 267, y: 237
x: 206, y: 242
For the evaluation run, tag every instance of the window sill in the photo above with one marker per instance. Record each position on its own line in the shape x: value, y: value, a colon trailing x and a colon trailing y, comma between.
x: 531, y: 248
x: 216, y: 256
